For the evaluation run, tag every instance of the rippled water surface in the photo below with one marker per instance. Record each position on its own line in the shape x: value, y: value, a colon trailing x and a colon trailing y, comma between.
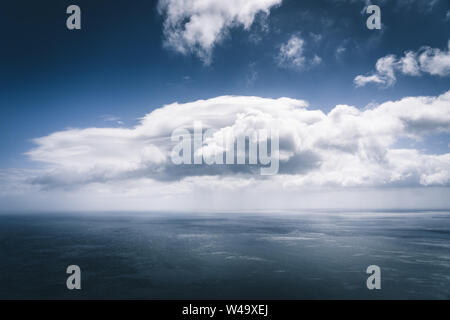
x: 226, y: 256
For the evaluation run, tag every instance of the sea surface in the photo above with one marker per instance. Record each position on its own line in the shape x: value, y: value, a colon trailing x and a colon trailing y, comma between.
x: 316, y: 255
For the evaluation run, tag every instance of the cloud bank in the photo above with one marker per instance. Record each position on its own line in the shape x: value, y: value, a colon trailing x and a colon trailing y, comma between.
x: 196, y: 26
x: 426, y: 60
x: 324, y: 158
x: 346, y: 147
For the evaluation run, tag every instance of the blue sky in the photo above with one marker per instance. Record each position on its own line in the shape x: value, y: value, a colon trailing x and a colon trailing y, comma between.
x: 118, y: 67
x: 52, y: 78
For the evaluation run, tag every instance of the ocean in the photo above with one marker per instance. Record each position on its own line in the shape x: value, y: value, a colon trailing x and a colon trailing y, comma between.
x: 316, y: 255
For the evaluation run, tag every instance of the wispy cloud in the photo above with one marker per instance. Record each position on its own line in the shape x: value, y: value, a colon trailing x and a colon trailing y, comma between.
x: 292, y: 55
x: 112, y: 118
x: 340, y: 51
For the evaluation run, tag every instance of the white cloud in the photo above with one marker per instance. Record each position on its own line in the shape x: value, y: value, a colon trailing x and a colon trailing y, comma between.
x: 291, y: 52
x: 292, y: 55
x: 196, y: 26
x: 316, y: 60
x: 384, y: 75
x: 435, y: 61
x: 409, y: 64
x: 427, y: 60
x: 344, y: 149
x: 315, y: 37
x: 340, y: 51
x: 112, y: 118
x: 361, y: 81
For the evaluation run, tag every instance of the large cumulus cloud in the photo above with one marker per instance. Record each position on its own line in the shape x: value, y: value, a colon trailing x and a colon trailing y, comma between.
x: 348, y: 147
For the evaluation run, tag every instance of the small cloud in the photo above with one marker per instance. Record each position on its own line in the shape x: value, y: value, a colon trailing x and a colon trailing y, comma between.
x: 315, y: 36
x: 259, y: 29
x: 384, y: 75
x: 252, y: 74
x: 255, y: 38
x: 431, y: 4
x: 316, y: 60
x: 197, y: 26
x: 292, y: 55
x: 340, y: 51
x: 361, y: 81
x: 426, y: 60
x: 111, y: 118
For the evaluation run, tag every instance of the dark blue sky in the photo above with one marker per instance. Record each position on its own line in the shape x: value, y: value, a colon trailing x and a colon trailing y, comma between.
x: 52, y: 78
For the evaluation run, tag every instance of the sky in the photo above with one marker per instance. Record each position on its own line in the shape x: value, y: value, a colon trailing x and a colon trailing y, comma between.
x: 86, y: 115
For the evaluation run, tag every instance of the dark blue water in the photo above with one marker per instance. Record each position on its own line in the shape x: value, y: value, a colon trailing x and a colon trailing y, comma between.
x: 226, y: 256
